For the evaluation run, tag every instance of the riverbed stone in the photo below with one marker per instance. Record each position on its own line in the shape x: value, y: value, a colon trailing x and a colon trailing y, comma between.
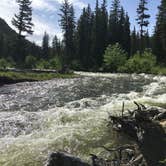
x: 64, y: 159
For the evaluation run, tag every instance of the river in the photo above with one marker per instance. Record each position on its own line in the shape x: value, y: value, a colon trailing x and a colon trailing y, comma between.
x: 37, y: 118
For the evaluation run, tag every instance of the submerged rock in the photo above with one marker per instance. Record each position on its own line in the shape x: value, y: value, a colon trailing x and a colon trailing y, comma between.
x: 64, y: 159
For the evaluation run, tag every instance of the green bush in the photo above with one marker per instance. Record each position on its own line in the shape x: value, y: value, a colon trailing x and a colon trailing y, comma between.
x: 159, y: 70
x: 11, y: 62
x: 30, y: 62
x: 114, y: 58
x: 42, y: 64
x: 140, y: 63
x: 55, y: 63
x: 4, y: 64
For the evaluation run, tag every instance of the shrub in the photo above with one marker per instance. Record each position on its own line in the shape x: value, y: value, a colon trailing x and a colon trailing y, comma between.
x: 4, y: 63
x: 55, y: 63
x: 42, y: 64
x: 140, y: 63
x: 11, y: 62
x: 114, y: 58
x: 30, y: 62
x: 159, y: 70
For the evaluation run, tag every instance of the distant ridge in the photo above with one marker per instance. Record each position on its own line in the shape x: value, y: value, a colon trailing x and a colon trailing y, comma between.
x: 10, y: 36
x: 6, y: 30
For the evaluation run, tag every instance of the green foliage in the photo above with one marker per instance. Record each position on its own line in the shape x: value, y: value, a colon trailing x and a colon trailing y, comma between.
x: 140, y: 63
x: 114, y: 58
x: 67, y: 23
x: 34, y: 76
x: 23, y: 20
x: 84, y: 37
x: 99, y: 34
x: 142, y: 20
x: 4, y: 63
x: 45, y: 46
x: 42, y: 64
x: 160, y: 34
x: 55, y: 63
x: 159, y: 70
x: 30, y: 62
x: 134, y: 42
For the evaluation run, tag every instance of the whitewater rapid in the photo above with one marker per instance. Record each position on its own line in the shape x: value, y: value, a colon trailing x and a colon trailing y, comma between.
x: 68, y: 114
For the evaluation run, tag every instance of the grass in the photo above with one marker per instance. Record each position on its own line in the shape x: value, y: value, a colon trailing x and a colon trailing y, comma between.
x: 33, y: 76
x: 159, y: 70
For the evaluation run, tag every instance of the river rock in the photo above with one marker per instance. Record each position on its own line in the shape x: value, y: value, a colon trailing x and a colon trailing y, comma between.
x: 64, y: 159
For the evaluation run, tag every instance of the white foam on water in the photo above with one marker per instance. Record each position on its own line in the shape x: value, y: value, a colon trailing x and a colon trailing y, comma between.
x: 65, y: 115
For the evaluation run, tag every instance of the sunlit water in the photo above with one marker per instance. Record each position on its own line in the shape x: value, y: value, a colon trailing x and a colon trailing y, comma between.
x: 68, y: 114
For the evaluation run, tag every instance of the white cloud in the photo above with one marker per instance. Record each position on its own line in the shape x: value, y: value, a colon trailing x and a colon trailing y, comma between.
x: 44, y: 12
x: 43, y: 5
x: 42, y: 26
x: 76, y: 3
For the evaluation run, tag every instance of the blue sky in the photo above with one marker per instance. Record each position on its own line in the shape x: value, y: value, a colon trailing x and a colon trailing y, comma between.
x: 45, y: 14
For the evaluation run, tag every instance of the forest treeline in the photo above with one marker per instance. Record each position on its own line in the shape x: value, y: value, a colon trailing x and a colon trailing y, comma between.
x: 99, y: 40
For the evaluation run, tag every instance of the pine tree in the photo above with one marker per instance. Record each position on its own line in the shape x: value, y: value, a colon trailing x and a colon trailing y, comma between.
x: 133, y: 42
x: 142, y: 20
x: 55, y: 44
x: 147, y: 43
x: 114, y: 35
x: 160, y: 34
x: 56, y: 47
x: 99, y: 34
x: 84, y: 32
x: 104, y: 27
x: 45, y: 46
x: 23, y: 21
x: 138, y: 41
x: 96, y: 38
x: 124, y: 31
x: 67, y: 23
x: 126, y: 35
x: 121, y: 27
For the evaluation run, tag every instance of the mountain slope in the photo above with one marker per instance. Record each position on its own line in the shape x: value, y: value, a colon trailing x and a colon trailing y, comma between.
x: 8, y: 38
x: 6, y: 30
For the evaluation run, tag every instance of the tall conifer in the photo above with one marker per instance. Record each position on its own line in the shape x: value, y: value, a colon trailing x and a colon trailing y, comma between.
x: 142, y: 21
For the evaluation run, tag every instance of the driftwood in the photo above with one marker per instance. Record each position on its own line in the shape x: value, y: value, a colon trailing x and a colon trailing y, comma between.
x: 126, y: 155
x: 143, y: 125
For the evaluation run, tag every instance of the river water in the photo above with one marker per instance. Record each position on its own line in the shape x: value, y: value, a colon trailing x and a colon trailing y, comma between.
x: 37, y: 118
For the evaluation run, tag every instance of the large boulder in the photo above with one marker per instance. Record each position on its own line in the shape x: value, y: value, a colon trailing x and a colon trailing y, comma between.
x: 64, y: 159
